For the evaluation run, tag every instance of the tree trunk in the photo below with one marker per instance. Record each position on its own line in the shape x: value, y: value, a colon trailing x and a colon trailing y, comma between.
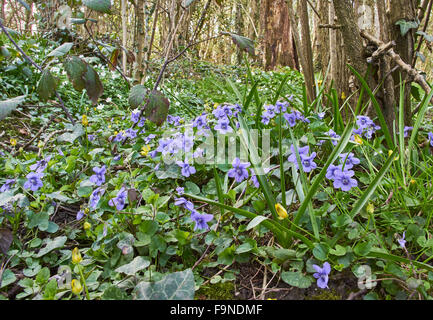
x: 278, y: 44
x: 124, y: 35
x: 140, y: 40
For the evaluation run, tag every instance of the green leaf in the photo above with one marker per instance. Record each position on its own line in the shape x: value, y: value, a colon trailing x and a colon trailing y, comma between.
x: 103, y: 6
x: 50, y: 290
x: 137, y: 95
x: 93, y: 85
x: 62, y: 50
x: 47, y: 85
x: 426, y: 36
x: 8, y: 277
x: 114, y: 293
x: 255, y: 222
x: 71, y: 136
x: 76, y: 69
x: 296, y: 279
x: 51, y: 245
x: 157, y: 107
x: 320, y: 252
x: 7, y: 106
x: 406, y: 25
x: 136, y: 265
x: 362, y: 248
x: 245, y: 44
x: 174, y: 286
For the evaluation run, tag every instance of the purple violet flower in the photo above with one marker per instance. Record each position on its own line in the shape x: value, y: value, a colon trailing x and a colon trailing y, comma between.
x: 119, y: 200
x: 322, y: 275
x: 187, y: 169
x: 223, y: 126
x: 239, y: 170
x: 343, y: 180
x: 201, y: 220
x: 99, y: 177
x: 34, y: 181
x: 7, y: 185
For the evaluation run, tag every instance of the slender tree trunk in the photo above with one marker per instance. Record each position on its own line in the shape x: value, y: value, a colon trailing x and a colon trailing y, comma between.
x: 124, y: 35
x: 140, y: 41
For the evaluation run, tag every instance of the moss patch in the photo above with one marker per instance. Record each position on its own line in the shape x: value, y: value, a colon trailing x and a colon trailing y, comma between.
x: 217, y: 291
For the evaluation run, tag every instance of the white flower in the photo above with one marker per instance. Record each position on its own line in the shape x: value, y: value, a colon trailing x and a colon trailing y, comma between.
x: 100, y: 106
x: 108, y: 100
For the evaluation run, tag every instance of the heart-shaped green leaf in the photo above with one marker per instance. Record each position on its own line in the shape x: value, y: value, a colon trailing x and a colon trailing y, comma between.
x: 103, y: 6
x: 47, y: 85
x: 157, y: 107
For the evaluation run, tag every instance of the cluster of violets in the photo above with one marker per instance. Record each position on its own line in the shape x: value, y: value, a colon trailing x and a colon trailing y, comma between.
x: 271, y: 111
x: 201, y: 219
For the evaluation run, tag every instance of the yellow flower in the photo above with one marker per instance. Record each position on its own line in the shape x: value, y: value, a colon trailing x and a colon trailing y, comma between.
x: 109, y: 126
x: 358, y: 139
x: 282, y: 213
x: 13, y: 142
x: 412, y: 181
x: 215, y: 105
x: 85, y: 121
x: 86, y: 210
x: 370, y: 208
x: 87, y: 226
x: 76, y: 256
x: 390, y: 152
x: 145, y: 150
x: 343, y: 96
x: 76, y: 286
x: 319, y: 82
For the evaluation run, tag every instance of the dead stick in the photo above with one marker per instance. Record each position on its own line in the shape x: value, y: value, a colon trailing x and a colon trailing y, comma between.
x: 414, y: 74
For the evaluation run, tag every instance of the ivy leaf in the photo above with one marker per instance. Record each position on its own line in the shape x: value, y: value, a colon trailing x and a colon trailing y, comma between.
x: 62, y: 50
x: 174, y: 286
x: 103, y: 6
x: 426, y: 36
x: 157, y: 107
x: 244, y: 43
x: 7, y: 106
x: 47, y: 85
x: 137, y: 95
x: 405, y: 26
x: 132, y: 268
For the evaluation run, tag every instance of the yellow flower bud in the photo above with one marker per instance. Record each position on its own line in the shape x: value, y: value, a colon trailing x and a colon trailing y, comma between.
x: 84, y: 120
x: 319, y: 82
x: 370, y: 208
x: 40, y: 144
x: 13, y: 142
x: 86, y: 210
x: 282, y: 213
x: 343, y: 96
x: 76, y: 286
x: 87, y: 226
x: 358, y: 139
x: 412, y: 181
x: 76, y: 256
